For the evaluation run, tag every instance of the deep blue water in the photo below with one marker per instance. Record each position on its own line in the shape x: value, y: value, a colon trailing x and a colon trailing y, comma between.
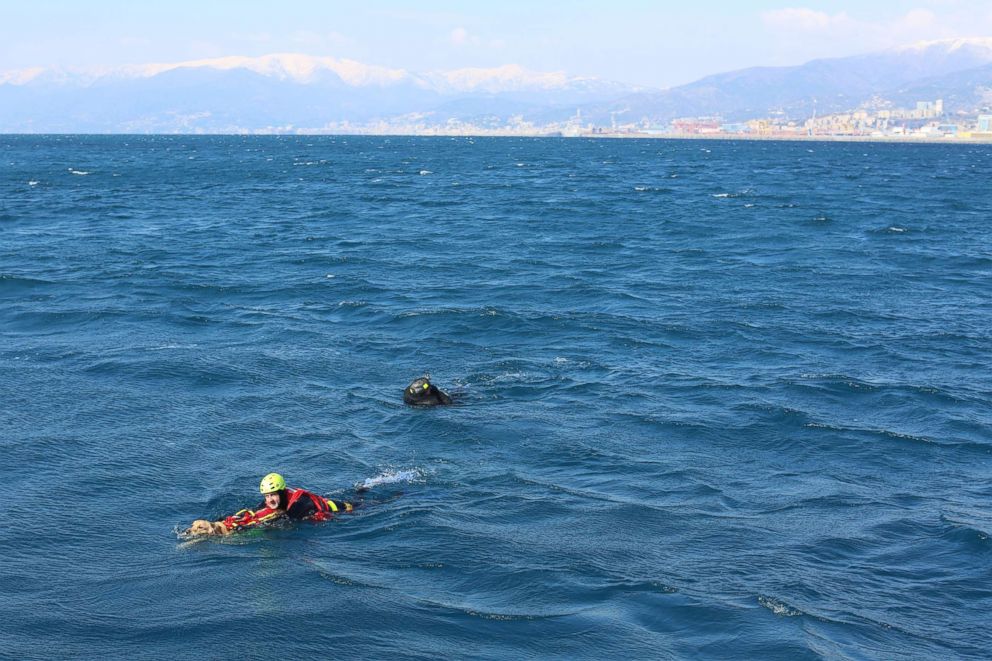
x: 716, y: 399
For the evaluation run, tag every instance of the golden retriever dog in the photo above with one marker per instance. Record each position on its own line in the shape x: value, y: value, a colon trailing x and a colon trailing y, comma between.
x: 204, y: 527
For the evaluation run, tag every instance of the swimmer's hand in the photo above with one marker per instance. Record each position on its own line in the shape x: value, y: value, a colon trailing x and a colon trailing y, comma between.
x: 202, y: 527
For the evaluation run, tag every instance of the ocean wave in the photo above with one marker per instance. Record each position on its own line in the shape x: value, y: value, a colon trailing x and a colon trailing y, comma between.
x: 884, y: 433
x: 976, y: 527
x: 779, y: 607
x: 14, y: 284
x: 746, y: 192
x: 674, y: 408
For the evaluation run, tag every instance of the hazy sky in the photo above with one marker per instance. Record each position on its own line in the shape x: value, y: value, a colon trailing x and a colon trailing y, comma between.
x: 649, y: 43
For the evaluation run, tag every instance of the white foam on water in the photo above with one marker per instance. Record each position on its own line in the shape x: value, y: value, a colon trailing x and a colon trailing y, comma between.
x: 392, y: 477
x: 896, y: 229
x: 79, y: 172
x: 509, y: 376
x: 33, y: 183
x: 425, y: 172
x: 778, y: 607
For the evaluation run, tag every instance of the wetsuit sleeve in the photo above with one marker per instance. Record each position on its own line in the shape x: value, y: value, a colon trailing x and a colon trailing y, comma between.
x: 318, y: 508
x: 249, y: 518
x: 337, y: 506
x: 303, y: 508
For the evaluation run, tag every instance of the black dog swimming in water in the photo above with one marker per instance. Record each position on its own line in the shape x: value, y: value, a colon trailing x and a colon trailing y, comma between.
x: 424, y: 393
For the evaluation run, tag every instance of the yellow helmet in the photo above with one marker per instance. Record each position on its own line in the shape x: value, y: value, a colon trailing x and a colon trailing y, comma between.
x: 271, y: 483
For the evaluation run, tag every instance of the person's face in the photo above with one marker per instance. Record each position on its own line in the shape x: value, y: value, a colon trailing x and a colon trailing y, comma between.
x: 272, y: 500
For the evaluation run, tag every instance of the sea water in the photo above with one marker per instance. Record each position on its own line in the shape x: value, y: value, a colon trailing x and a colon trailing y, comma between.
x: 713, y: 399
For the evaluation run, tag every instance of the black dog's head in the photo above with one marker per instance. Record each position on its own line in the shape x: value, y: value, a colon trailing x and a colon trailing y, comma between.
x: 424, y: 393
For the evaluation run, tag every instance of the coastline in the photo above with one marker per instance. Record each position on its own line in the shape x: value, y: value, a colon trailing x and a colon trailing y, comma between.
x: 551, y: 135
x: 822, y: 138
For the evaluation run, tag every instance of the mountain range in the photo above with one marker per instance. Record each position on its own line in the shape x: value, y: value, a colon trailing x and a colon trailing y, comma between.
x: 294, y: 92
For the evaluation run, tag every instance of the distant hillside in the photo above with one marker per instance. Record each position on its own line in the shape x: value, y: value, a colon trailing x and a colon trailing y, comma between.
x: 955, y: 70
x: 960, y: 90
x: 293, y: 91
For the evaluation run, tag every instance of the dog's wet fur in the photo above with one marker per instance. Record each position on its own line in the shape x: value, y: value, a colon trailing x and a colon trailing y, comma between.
x: 424, y: 393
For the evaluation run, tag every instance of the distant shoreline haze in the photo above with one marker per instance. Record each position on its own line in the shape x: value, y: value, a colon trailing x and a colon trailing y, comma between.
x: 873, y: 96
x: 909, y: 140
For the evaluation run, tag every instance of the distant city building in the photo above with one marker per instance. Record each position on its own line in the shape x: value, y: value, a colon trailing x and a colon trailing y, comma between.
x: 696, y: 125
x: 876, y: 119
x: 928, y: 109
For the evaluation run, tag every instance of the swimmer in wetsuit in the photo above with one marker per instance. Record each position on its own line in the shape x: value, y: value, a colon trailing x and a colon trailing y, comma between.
x: 280, y: 501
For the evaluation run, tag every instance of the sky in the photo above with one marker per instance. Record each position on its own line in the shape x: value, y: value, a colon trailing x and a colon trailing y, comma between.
x: 655, y: 44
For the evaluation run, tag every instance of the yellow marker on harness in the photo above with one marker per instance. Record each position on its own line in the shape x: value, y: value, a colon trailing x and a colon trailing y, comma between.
x: 330, y: 503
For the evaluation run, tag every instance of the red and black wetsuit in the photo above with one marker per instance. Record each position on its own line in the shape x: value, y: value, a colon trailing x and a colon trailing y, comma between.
x: 294, y: 503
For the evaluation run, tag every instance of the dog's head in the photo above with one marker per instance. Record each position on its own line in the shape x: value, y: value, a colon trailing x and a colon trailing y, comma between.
x: 424, y: 393
x: 418, y: 391
x: 201, y: 527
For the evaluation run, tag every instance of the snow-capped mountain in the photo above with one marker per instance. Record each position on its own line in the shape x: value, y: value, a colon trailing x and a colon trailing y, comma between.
x: 978, y: 47
x: 309, y: 69
x: 247, y: 93
x: 290, y: 91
